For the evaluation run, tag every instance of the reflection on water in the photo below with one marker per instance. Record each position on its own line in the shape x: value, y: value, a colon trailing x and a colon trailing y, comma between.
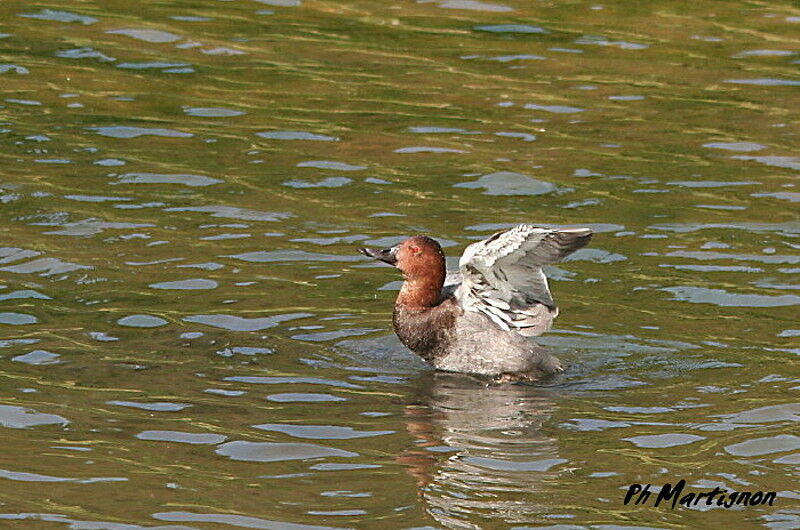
x: 479, y: 455
x: 185, y: 322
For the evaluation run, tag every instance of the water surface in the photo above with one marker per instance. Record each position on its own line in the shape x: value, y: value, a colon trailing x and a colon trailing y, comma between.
x: 188, y: 338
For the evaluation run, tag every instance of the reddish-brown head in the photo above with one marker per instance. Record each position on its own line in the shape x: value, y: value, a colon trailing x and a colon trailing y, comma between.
x: 421, y: 261
x: 420, y: 257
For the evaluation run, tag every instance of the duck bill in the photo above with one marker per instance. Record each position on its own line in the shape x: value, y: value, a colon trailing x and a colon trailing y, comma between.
x: 386, y: 255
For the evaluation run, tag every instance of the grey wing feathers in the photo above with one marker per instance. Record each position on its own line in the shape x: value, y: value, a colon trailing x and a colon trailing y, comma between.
x: 502, y: 276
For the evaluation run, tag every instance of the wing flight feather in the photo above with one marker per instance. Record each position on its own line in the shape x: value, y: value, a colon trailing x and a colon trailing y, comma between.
x: 502, y: 276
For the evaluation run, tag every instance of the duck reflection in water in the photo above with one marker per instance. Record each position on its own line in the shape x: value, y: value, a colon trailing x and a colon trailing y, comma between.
x: 480, y: 454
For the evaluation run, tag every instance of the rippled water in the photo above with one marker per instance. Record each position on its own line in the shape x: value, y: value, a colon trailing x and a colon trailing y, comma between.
x: 189, y: 339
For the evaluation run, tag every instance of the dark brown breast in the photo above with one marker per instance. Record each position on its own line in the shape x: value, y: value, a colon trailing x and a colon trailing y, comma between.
x: 426, y: 331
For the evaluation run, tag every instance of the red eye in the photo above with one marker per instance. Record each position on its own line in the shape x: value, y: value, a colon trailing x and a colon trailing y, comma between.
x: 415, y: 250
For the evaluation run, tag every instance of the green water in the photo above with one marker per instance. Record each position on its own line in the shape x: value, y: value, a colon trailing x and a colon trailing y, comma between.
x: 188, y: 338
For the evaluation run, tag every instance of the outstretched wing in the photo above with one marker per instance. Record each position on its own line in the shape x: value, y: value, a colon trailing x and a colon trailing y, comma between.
x: 502, y: 276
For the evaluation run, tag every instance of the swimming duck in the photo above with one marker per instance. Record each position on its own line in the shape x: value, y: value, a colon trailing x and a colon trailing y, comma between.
x: 479, y: 320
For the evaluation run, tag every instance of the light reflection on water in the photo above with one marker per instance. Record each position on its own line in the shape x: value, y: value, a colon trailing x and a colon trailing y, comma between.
x: 186, y: 323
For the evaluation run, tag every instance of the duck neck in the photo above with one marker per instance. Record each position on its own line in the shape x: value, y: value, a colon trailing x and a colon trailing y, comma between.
x: 418, y: 294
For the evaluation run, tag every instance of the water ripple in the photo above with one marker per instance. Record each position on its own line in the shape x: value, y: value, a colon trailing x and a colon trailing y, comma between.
x: 60, y: 16
x: 509, y: 183
x: 121, y: 131
x: 232, y: 212
x: 662, y: 441
x: 183, y: 285
x: 155, y: 36
x: 721, y: 297
x: 320, y: 432
x: 21, y: 418
x: 512, y: 28
x: 162, y: 178
x: 270, y: 256
x: 278, y: 452
x: 474, y: 5
x: 36, y: 477
x: 235, y: 323
x: 228, y: 519
x: 213, y: 112
x: 296, y: 135
x: 182, y: 437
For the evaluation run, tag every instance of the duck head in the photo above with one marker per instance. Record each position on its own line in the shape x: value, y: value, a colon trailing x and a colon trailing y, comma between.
x: 421, y: 261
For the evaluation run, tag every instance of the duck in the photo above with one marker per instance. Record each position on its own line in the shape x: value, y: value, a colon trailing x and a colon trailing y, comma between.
x: 481, y: 319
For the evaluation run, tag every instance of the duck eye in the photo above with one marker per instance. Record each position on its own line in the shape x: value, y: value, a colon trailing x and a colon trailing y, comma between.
x: 415, y: 250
